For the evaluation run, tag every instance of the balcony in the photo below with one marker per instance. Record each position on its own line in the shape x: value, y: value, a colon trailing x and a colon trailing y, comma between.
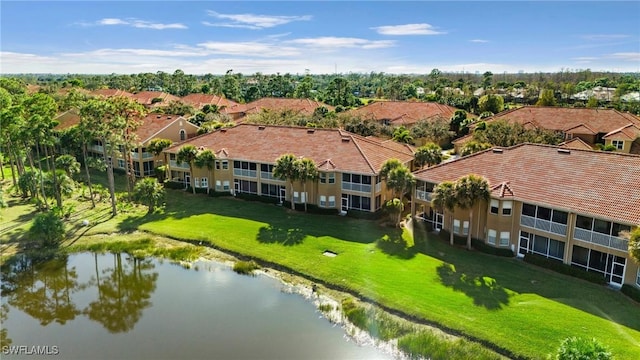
x: 96, y: 148
x: 265, y: 175
x: 245, y: 172
x: 174, y: 165
x: 544, y: 225
x: 356, y: 187
x: 424, y: 195
x: 609, y: 241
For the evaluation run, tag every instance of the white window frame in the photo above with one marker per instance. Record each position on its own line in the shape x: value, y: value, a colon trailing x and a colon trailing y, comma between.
x: 204, y: 182
x: 638, y: 278
x: 492, y: 236
x: 505, y: 238
x: 218, y: 185
x: 494, y: 204
x: 507, y: 205
x: 323, y: 201
x: 183, y: 135
x: 465, y: 228
x: 296, y: 197
x: 226, y: 186
x: 225, y: 164
x: 332, y: 202
x: 456, y: 226
x: 619, y: 144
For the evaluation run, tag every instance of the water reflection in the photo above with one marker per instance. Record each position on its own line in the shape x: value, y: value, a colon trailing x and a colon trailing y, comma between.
x: 43, y: 290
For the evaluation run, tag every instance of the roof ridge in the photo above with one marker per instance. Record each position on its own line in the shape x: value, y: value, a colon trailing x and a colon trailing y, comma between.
x: 363, y: 154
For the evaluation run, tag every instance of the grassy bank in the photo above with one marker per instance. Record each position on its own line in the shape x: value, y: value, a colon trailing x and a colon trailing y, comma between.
x: 520, y: 309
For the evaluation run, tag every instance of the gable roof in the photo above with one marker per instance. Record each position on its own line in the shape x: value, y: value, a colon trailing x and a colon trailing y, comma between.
x: 575, y: 143
x: 111, y: 93
x: 67, y: 119
x: 198, y: 101
x: 571, y: 180
x: 304, y: 106
x: 629, y: 132
x: 404, y: 112
x: 146, y: 98
x: 330, y: 149
x: 592, y: 121
x: 153, y: 124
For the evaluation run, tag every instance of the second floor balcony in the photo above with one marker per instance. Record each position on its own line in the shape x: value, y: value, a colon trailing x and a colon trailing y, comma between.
x: 544, y: 225
x: 424, y: 195
x: 594, y: 237
x: 175, y: 165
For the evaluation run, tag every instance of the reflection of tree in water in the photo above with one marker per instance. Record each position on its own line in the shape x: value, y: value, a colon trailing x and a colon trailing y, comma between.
x: 41, y: 289
x: 4, y: 336
x: 123, y: 292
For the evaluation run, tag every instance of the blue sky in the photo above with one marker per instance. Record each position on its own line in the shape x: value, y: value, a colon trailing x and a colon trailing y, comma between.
x: 200, y: 37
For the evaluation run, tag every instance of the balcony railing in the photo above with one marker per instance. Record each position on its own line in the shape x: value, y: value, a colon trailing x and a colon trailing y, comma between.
x: 424, y: 195
x: 245, y: 172
x: 613, y: 242
x: 544, y: 225
x: 265, y: 175
x: 356, y: 187
x: 174, y: 165
x: 96, y: 148
x: 378, y: 187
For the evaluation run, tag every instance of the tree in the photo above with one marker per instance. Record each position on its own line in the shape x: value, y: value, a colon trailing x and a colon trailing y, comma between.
x: 547, y: 98
x: 400, y: 180
x: 306, y: 171
x: 491, y: 102
x: 48, y: 228
x: 206, y: 158
x: 429, y: 154
x: 157, y: 146
x: 457, y: 121
x: 150, y: 192
x: 69, y: 164
x: 394, y: 207
x: 634, y: 245
x: 473, y: 146
x: 286, y: 170
x: 470, y: 190
x: 188, y: 154
x: 389, y: 165
x: 402, y: 135
x: 577, y: 348
x: 592, y: 102
x: 444, y: 198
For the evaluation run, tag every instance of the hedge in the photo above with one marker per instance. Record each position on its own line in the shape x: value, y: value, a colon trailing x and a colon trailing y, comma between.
x: 631, y: 291
x: 477, y: 244
x: 566, y: 269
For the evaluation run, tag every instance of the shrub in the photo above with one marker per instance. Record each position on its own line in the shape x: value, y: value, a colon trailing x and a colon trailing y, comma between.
x: 245, y: 267
x: 254, y: 197
x: 631, y: 291
x: 558, y: 266
x: 577, y: 348
x: 488, y: 249
x: 428, y: 345
x: 173, y: 185
x: 48, y: 228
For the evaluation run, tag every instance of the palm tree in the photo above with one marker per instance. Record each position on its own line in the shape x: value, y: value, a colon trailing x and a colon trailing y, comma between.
x: 69, y: 164
x: 473, y: 147
x: 429, y: 154
x: 286, y: 170
x: 402, y: 135
x: 307, y: 170
x: 188, y: 154
x: 444, y: 198
x: 206, y: 159
x: 470, y: 190
x: 150, y: 192
x: 400, y: 180
x: 389, y: 165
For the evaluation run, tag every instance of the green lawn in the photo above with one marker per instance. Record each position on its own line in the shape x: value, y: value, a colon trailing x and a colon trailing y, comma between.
x: 509, y: 303
x: 506, y: 302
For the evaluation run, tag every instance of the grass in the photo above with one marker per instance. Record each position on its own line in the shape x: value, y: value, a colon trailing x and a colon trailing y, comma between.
x: 519, y: 309
x: 245, y: 267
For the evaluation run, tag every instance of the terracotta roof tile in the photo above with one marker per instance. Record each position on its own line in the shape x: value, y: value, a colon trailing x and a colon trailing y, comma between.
x: 576, y: 143
x: 594, y: 183
x: 198, y: 101
x: 304, y: 106
x: 154, y: 123
x: 332, y: 149
x: 404, y: 112
x: 111, y: 92
x: 146, y: 98
x: 629, y: 132
x: 67, y: 119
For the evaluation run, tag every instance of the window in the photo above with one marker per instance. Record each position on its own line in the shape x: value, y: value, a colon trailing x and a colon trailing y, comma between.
x: 357, y: 202
x: 244, y: 168
x: 465, y: 228
x: 356, y: 182
x: 506, y: 207
x: 456, y: 226
x: 225, y: 185
x: 332, y: 201
x: 529, y: 210
x: 544, y: 213
x: 296, y: 197
x: 204, y: 182
x: 183, y: 135
x: 491, y: 237
x: 494, y: 206
x: 271, y: 190
x: 218, y: 185
x: 172, y: 157
x: 619, y: 144
x: 225, y: 165
x: 246, y: 186
x: 217, y: 164
x: 601, y: 226
x: 121, y: 163
x: 504, y: 238
x: 197, y: 182
x: 323, y: 200
x: 560, y: 217
x: 583, y: 222
x: 378, y: 202
x: 638, y: 277
x: 327, y: 178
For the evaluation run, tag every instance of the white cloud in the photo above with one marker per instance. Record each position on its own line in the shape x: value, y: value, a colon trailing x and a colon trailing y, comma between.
x: 330, y: 42
x: 585, y: 58
x: 604, y: 37
x: 479, y: 41
x: 408, y: 29
x: 136, y: 23
x: 251, y: 48
x: 184, y: 52
x: 253, y: 21
x: 626, y: 56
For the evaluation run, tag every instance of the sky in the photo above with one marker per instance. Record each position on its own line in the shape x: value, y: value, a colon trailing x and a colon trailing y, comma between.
x: 318, y: 37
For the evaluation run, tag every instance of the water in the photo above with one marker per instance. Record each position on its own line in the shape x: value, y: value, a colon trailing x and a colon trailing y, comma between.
x: 112, y: 306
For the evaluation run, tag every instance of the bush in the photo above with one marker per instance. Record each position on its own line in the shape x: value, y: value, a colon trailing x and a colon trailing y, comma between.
x: 254, y: 197
x: 219, y: 193
x: 488, y: 249
x: 558, y: 266
x: 577, y: 348
x: 428, y: 345
x: 173, y: 185
x: 631, y: 291
x: 366, y: 215
x: 245, y: 267
x: 48, y: 228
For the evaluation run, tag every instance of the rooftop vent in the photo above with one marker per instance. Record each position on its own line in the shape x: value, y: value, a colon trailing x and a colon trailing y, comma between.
x: 497, y: 151
x: 310, y: 131
x: 158, y: 117
x: 346, y: 139
x: 260, y: 127
x: 564, y: 151
x: 168, y: 117
x: 223, y: 130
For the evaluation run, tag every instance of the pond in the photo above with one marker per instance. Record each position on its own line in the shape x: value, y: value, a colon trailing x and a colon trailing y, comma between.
x: 112, y: 306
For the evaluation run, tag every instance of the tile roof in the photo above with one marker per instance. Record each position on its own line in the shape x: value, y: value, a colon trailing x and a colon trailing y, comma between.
x: 67, y: 119
x: 629, y: 132
x: 198, y: 101
x: 146, y: 97
x: 576, y: 143
x: 593, y: 183
x: 152, y: 124
x: 330, y: 149
x: 111, y: 92
x: 404, y: 112
x: 563, y: 119
x: 304, y: 106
